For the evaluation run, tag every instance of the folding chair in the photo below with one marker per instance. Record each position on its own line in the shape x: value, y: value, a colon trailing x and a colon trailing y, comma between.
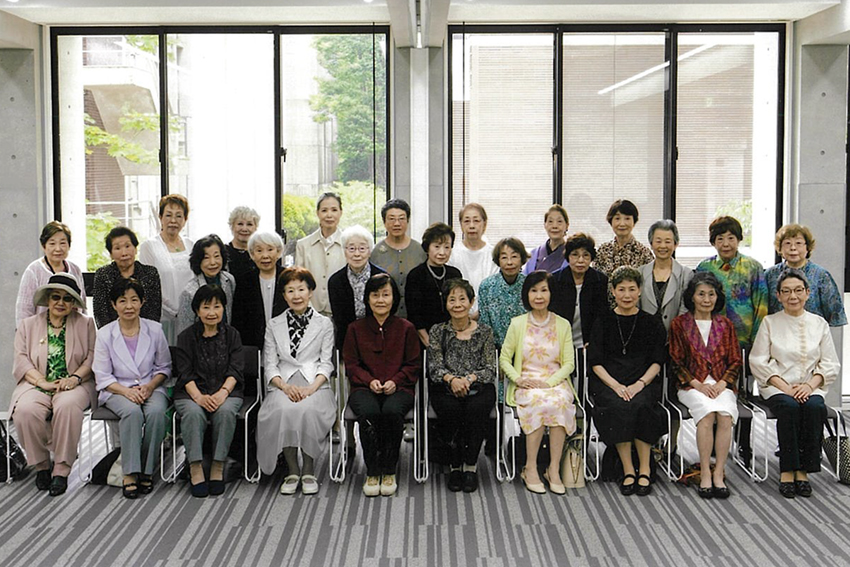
x: 337, y: 457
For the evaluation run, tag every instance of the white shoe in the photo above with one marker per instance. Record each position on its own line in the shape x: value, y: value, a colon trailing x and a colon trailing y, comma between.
x: 309, y: 484
x: 388, y: 485
x: 290, y: 485
x: 409, y: 432
x: 372, y: 486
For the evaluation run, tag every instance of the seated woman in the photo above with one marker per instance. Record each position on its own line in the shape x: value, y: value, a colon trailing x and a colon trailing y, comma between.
x: 703, y: 344
x: 500, y: 295
x: 122, y: 243
x: 209, y: 365
x: 794, y: 360
x: 131, y: 361
x: 299, y: 409
x: 258, y: 295
x: 207, y: 261
x: 626, y: 351
x: 53, y: 358
x: 537, y: 357
x: 383, y: 360
x: 462, y: 369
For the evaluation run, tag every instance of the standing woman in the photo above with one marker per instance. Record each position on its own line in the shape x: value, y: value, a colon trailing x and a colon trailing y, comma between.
x: 550, y: 256
x: 624, y: 249
x: 53, y: 358
x: 580, y: 293
x: 538, y: 357
x: 131, y: 362
x: 209, y: 363
x: 243, y: 223
x: 474, y: 256
x: 121, y: 243
x: 207, y: 260
x: 382, y: 360
x: 168, y: 252
x: 55, y: 241
x: 627, y: 349
x: 795, y: 243
x: 397, y: 254
x: 259, y: 295
x: 703, y: 345
x: 299, y: 408
x: 426, y: 305
x: 664, y: 279
x: 321, y: 253
x: 500, y: 298
x: 794, y: 360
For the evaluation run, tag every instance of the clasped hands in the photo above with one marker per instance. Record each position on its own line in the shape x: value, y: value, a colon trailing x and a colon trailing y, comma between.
x: 387, y: 388
x: 460, y: 385
x: 297, y: 393
x: 139, y: 393
x: 61, y: 385
x: 799, y: 392
x: 710, y: 390
x: 532, y: 383
x: 629, y: 392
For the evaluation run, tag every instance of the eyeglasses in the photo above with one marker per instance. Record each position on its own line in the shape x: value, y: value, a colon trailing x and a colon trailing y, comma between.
x: 355, y: 249
x: 785, y: 292
x: 65, y: 298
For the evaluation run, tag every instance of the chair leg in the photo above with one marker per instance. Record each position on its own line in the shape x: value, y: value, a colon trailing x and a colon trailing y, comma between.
x: 86, y: 478
x: 8, y: 451
x: 751, y: 469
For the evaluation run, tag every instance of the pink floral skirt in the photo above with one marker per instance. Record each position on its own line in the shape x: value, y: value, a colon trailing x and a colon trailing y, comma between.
x: 552, y: 407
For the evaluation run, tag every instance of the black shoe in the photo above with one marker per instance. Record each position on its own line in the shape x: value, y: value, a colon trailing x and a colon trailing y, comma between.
x: 58, y: 485
x: 216, y: 487
x: 628, y: 489
x: 470, y: 481
x: 42, y: 479
x: 803, y: 488
x: 721, y: 492
x: 706, y: 493
x: 145, y: 484
x: 130, y: 490
x: 200, y: 490
x: 787, y: 489
x: 455, y: 483
x: 644, y: 490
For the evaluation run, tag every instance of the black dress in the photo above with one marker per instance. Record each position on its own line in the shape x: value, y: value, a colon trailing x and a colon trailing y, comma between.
x: 239, y: 262
x: 617, y: 420
x: 426, y: 305
x: 249, y: 316
x: 106, y: 276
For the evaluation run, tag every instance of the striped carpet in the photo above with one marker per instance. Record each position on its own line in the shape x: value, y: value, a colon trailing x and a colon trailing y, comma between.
x: 500, y: 525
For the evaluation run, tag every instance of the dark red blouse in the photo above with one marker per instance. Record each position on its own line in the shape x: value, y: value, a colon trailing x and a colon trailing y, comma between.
x: 388, y: 352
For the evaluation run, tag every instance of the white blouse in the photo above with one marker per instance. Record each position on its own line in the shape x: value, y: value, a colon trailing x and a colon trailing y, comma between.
x: 36, y: 275
x: 474, y: 266
x: 174, y: 270
x: 795, y: 349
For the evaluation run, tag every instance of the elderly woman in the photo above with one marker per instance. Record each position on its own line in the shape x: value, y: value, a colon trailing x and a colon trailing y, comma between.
x: 345, y: 287
x: 382, y: 360
x: 398, y: 253
x: 474, y: 256
x: 795, y: 243
x: 321, y: 253
x: 258, y: 295
x: 426, y: 305
x: 538, y: 357
x: 209, y: 363
x: 500, y: 295
x: 794, y: 361
x: 550, y: 256
x: 462, y: 370
x: 168, y: 252
x: 55, y: 241
x: 121, y: 243
x: 706, y: 361
x: 626, y: 352
x: 580, y: 293
x: 664, y: 279
x: 624, y: 249
x: 207, y: 261
x: 131, y: 362
x: 299, y: 409
x: 53, y: 358
x: 243, y: 223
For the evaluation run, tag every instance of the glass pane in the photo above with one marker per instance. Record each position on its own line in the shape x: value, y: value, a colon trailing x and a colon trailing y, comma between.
x: 727, y: 93
x: 108, y: 139
x: 221, y: 127
x: 502, y: 115
x: 332, y: 110
x: 613, y: 129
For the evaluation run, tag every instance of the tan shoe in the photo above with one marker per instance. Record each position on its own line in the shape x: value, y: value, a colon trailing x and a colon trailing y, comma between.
x: 372, y: 486
x: 309, y: 485
x: 290, y: 485
x: 388, y: 485
x: 535, y: 487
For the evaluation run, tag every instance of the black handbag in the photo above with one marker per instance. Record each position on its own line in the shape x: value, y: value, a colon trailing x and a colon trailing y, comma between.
x: 17, y: 461
x: 835, y: 445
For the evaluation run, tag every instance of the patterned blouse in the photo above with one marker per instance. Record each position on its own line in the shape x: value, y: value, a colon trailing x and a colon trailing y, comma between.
x: 499, y: 302
x: 746, y: 293
x: 56, y: 366
x: 540, y: 350
x: 450, y: 355
x: 824, y: 296
x: 611, y: 256
x: 106, y: 276
x: 358, y: 286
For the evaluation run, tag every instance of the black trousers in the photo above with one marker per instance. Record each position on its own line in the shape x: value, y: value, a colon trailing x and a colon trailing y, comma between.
x: 381, y: 420
x: 463, y: 422
x: 799, y: 428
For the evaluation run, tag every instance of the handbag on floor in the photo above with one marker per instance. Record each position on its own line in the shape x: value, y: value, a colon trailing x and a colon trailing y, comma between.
x: 17, y: 460
x: 572, y: 462
x: 838, y: 444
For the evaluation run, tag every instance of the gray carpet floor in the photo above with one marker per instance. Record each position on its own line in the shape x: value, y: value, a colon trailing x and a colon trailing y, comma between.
x: 500, y: 525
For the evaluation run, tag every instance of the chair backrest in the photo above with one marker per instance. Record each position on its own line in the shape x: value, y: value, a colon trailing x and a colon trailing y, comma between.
x: 252, y: 371
x: 746, y: 381
x: 174, y: 374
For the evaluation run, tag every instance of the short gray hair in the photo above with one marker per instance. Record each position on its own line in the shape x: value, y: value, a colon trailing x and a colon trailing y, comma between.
x: 664, y: 224
x: 267, y: 238
x: 357, y: 231
x: 243, y: 212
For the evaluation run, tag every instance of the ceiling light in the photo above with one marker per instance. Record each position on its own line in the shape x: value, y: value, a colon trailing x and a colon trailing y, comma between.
x: 367, y: 1
x: 12, y: 1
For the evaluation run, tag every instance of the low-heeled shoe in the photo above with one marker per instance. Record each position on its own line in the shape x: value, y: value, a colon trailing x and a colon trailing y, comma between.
x: 42, y: 479
x: 216, y: 487
x: 470, y: 481
x: 803, y: 488
x: 58, y: 485
x: 455, y: 482
x: 706, y: 492
x: 787, y: 489
x: 641, y: 489
x: 145, y: 484
x: 628, y: 489
x: 536, y: 487
x: 200, y: 490
x: 721, y: 492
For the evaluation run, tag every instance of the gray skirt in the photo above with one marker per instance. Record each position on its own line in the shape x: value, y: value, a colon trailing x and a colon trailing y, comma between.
x: 284, y: 423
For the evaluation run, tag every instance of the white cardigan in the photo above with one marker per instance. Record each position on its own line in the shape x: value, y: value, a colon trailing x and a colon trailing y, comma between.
x: 315, y: 353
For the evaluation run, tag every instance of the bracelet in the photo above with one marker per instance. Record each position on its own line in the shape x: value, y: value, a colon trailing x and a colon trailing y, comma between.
x: 77, y: 376
x: 809, y: 385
